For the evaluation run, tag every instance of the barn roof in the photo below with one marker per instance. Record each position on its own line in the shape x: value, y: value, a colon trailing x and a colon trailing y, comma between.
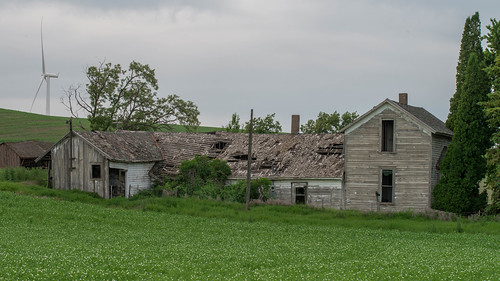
x: 124, y: 146
x: 274, y: 155
x: 28, y: 149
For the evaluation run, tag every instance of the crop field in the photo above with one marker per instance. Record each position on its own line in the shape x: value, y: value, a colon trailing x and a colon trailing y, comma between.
x: 46, y: 238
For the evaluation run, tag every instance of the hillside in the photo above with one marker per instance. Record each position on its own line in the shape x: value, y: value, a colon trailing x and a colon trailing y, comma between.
x: 20, y: 126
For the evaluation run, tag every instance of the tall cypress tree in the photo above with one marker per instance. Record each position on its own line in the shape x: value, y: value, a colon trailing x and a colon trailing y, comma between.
x: 471, y: 43
x: 464, y: 164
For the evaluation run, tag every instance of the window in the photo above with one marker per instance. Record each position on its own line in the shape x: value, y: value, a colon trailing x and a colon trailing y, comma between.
x: 388, y: 135
x: 387, y: 186
x: 96, y: 171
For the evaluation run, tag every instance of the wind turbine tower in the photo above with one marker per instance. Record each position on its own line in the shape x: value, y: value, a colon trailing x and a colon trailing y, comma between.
x: 45, y: 77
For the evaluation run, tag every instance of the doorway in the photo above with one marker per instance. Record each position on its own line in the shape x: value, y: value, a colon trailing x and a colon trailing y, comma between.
x: 117, y: 182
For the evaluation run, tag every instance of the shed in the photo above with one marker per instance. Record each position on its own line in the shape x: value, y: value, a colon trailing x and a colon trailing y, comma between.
x: 22, y: 154
x: 110, y: 164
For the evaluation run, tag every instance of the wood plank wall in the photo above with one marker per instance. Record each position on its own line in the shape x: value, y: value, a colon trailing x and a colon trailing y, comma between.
x: 411, y: 164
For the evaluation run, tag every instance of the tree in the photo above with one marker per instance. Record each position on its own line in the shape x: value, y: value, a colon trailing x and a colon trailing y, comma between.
x: 471, y: 44
x: 464, y: 165
x: 328, y: 123
x: 234, y: 125
x: 265, y: 125
x: 492, y: 110
x: 128, y: 99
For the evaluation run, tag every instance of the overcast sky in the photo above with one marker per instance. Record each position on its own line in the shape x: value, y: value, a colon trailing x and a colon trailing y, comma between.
x: 285, y: 57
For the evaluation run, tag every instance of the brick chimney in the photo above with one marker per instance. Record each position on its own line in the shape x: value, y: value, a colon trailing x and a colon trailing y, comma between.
x: 295, y: 124
x: 403, y: 98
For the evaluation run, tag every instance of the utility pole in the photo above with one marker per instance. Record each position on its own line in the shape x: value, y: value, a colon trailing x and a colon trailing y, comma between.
x: 249, y: 159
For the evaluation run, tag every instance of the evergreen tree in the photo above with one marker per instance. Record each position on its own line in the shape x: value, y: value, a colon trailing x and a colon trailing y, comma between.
x: 471, y: 44
x: 464, y: 164
x: 492, y: 108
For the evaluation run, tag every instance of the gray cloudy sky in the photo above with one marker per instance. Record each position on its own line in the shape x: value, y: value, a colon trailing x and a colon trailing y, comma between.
x: 285, y: 57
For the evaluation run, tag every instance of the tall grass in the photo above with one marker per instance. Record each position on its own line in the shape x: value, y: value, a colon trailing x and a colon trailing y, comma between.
x: 21, y: 174
x: 296, y: 215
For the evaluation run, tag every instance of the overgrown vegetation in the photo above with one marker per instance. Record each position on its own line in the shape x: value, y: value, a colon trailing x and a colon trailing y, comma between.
x: 206, y: 178
x: 21, y: 174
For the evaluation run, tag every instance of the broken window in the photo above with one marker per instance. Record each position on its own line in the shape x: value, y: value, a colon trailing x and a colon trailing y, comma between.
x: 388, y: 135
x: 219, y: 145
x: 387, y: 186
x: 300, y: 190
x: 96, y: 171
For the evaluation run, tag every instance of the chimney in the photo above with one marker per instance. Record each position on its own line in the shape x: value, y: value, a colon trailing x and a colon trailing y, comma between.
x: 403, y: 98
x: 295, y: 124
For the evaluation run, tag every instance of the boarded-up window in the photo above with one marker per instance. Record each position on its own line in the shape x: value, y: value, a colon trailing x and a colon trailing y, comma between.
x: 96, y: 171
x: 388, y: 135
x: 387, y: 186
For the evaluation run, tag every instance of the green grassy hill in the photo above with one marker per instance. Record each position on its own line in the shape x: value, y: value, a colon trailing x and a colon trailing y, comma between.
x: 20, y: 126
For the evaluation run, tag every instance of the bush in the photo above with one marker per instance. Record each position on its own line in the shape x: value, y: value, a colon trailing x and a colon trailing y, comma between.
x: 259, y: 189
x: 201, y: 171
x: 19, y: 174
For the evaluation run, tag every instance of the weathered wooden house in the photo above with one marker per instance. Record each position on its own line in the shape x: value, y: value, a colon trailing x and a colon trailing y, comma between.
x: 387, y: 159
x: 392, y: 156
x: 22, y: 154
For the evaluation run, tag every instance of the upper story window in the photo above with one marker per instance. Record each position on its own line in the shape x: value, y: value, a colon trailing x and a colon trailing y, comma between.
x: 387, y: 136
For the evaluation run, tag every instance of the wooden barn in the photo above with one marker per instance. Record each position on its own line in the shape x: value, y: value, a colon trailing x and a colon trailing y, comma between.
x: 22, y: 154
x: 392, y: 156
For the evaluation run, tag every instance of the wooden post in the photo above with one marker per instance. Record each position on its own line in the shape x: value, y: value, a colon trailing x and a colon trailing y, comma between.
x: 250, y: 128
x: 70, y: 168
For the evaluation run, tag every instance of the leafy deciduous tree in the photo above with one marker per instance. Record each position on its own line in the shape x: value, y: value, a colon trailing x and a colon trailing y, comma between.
x: 265, y: 125
x: 234, y: 125
x: 328, y: 123
x: 128, y: 97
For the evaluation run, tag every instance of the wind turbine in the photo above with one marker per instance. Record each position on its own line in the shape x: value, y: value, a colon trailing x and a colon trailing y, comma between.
x: 45, y: 77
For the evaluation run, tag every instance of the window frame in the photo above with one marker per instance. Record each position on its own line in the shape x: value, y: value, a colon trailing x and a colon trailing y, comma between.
x: 92, y: 176
x: 383, y: 143
x: 392, y: 185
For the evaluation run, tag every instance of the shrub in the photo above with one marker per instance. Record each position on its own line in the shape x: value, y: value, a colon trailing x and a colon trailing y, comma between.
x: 19, y: 174
x: 200, y: 171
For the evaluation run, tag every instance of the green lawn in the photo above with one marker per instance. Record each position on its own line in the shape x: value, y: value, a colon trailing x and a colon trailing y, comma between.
x: 52, y: 239
x: 20, y: 126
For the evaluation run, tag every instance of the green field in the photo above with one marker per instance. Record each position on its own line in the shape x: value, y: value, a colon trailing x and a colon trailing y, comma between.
x: 52, y: 239
x: 21, y: 126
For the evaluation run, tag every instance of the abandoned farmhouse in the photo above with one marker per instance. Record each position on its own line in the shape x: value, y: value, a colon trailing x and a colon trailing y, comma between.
x: 387, y: 159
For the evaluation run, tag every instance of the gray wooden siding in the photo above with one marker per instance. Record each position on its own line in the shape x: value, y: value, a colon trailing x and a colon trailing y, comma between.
x: 325, y: 193
x: 76, y: 173
x: 137, y: 176
x: 8, y: 157
x: 438, y: 143
x: 410, y: 162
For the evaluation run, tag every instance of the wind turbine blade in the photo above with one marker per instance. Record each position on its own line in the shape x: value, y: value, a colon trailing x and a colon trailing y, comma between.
x: 39, y: 86
x: 41, y: 40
